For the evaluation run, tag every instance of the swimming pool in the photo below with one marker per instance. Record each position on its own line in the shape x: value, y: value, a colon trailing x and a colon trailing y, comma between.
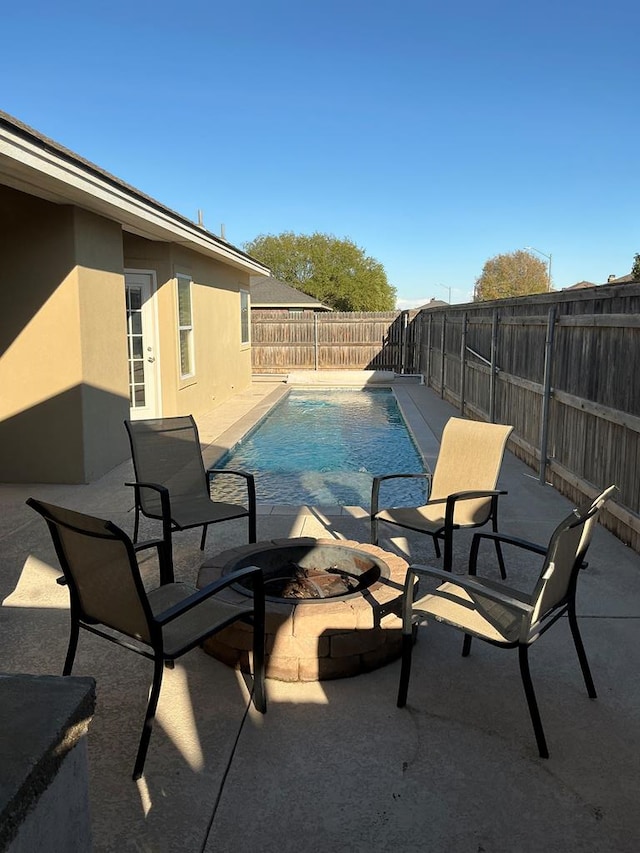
x: 322, y: 447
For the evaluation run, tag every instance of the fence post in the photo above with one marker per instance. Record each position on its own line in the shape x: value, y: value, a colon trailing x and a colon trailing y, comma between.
x: 403, y: 344
x: 494, y: 367
x: 442, y: 342
x: 463, y: 361
x: 546, y: 394
x: 429, y: 347
x: 315, y: 339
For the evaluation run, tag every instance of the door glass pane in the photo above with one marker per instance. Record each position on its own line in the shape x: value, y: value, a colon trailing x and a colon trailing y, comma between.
x: 135, y: 296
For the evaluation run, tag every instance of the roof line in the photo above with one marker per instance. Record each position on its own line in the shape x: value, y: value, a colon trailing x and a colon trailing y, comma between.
x: 52, y: 147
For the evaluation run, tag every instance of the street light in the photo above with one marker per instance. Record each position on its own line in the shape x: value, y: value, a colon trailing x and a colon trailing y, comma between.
x: 448, y: 288
x: 544, y: 255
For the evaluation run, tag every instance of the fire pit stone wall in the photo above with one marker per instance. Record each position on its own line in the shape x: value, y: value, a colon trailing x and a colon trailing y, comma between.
x: 315, y: 640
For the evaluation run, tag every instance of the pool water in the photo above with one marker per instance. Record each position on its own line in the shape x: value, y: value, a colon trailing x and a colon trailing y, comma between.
x: 323, y: 447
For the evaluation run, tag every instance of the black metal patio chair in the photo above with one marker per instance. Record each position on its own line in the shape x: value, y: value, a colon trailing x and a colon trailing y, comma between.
x: 108, y: 598
x: 172, y: 484
x: 503, y: 616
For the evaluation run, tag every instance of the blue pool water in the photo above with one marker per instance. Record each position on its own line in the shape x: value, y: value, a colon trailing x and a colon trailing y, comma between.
x: 323, y: 447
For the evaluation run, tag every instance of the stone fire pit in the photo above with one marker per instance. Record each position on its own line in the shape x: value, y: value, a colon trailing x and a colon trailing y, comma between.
x: 351, y: 625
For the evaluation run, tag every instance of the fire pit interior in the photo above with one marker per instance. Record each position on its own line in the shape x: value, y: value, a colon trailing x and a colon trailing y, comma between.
x: 332, y: 607
x: 312, y: 572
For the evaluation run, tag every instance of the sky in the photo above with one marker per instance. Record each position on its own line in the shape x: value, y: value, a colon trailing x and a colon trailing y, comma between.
x: 435, y: 135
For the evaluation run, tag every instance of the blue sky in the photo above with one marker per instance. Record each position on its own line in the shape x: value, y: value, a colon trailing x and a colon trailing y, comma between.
x: 434, y: 135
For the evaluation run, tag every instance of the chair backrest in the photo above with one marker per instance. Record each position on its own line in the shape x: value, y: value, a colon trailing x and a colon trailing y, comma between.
x: 566, y: 552
x: 100, y: 567
x: 167, y: 451
x: 470, y: 458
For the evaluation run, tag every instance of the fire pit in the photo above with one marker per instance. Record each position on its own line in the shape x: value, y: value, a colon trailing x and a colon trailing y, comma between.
x: 332, y: 607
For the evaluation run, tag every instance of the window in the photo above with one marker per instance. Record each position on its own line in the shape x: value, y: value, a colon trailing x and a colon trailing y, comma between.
x: 244, y: 317
x: 185, y: 326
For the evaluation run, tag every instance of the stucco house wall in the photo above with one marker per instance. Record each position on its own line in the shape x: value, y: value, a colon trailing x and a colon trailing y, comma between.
x: 222, y: 362
x: 71, y: 233
x: 62, y: 390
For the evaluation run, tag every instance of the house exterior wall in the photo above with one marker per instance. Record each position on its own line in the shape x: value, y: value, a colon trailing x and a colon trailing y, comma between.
x: 63, y: 348
x: 222, y: 363
x: 62, y: 307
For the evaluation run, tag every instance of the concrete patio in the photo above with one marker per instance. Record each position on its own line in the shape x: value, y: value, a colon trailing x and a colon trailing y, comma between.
x: 334, y: 765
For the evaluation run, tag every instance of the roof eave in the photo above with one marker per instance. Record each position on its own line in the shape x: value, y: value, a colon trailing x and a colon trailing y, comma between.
x: 28, y: 165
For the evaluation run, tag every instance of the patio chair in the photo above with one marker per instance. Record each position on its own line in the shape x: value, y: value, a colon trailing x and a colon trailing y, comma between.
x: 172, y: 484
x: 503, y: 616
x: 108, y: 598
x: 462, y: 490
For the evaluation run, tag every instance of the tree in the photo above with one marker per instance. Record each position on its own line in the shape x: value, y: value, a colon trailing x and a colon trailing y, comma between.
x: 334, y: 271
x: 512, y: 274
x: 635, y: 269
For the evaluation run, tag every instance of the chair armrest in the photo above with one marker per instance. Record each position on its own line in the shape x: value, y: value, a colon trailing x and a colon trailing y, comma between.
x: 476, y: 493
x: 165, y: 555
x: 375, y: 487
x: 471, y: 584
x: 505, y: 539
x: 245, y: 474
x: 469, y: 495
x: 163, y: 491
x: 211, y: 589
x: 249, y: 478
x: 500, y: 539
x: 148, y: 543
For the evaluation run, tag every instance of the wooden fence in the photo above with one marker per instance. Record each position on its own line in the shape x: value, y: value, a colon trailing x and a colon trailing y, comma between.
x: 333, y: 341
x: 562, y: 368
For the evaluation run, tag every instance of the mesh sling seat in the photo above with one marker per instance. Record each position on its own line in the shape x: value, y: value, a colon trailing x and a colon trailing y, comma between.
x: 108, y: 598
x: 462, y: 490
x: 503, y: 616
x: 172, y: 484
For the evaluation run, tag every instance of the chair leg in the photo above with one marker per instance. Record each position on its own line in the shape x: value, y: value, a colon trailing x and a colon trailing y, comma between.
x: 534, y: 713
x: 158, y: 667
x: 253, y: 527
x: 71, y: 648
x: 204, y: 536
x: 466, y: 645
x: 447, y: 562
x: 136, y: 524
x: 494, y: 525
x: 582, y: 656
x: 259, y: 692
x: 405, y: 671
x: 503, y: 570
x: 374, y: 530
x: 436, y: 546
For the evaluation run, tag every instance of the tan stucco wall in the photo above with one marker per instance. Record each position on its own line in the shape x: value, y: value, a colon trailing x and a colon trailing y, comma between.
x: 103, y: 342
x: 62, y: 391
x: 222, y: 364
x: 63, y: 356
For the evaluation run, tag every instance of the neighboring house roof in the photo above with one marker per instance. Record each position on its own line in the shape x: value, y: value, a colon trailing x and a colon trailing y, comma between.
x: 580, y: 285
x: 35, y: 164
x: 272, y: 293
x: 432, y: 303
x: 623, y: 279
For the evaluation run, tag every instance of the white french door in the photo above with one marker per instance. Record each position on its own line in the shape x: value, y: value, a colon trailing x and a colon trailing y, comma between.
x: 144, y: 374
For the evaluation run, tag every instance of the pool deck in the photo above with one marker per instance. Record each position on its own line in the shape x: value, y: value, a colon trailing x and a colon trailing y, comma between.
x: 334, y: 765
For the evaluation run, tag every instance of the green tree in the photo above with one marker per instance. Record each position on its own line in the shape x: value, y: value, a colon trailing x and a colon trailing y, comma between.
x: 512, y: 274
x: 334, y: 271
x: 635, y: 269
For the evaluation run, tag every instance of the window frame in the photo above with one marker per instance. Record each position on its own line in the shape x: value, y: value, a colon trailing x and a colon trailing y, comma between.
x: 245, y: 317
x: 188, y: 328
